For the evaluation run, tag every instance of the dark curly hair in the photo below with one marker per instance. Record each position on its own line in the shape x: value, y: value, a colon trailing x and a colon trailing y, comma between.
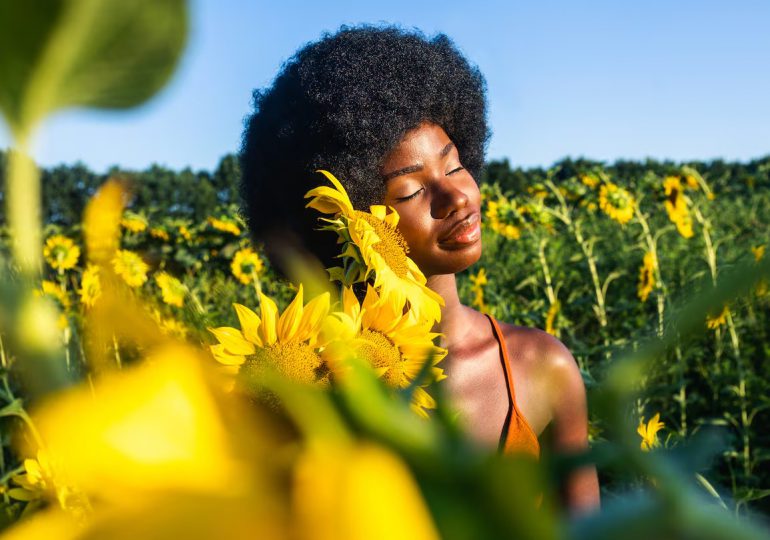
x: 341, y: 104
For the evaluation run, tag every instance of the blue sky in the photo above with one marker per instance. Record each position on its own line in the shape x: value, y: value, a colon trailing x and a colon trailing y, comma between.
x: 599, y: 79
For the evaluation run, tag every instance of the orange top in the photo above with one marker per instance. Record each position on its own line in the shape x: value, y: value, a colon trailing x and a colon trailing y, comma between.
x: 517, y: 434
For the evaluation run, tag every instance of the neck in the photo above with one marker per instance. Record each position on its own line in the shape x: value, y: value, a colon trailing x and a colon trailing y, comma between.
x: 454, y: 316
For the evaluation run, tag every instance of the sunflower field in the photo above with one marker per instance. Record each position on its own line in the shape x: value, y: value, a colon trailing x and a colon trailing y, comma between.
x: 158, y: 379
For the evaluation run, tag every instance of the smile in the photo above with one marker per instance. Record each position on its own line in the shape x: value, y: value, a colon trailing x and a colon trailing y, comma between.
x: 464, y: 233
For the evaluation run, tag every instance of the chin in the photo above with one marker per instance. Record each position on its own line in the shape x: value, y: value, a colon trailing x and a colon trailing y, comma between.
x: 451, y: 262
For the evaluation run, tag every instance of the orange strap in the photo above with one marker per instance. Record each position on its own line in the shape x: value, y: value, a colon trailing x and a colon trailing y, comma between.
x: 525, y: 437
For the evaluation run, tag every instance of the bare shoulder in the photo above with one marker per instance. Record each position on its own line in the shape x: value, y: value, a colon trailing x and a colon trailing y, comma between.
x: 552, y: 374
x: 540, y: 350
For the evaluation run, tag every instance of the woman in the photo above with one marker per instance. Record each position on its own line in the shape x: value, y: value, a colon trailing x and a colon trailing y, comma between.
x: 401, y: 120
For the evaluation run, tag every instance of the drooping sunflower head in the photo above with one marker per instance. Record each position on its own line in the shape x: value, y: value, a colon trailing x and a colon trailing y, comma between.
x: 616, y: 202
x: 61, y: 252
x: 646, y: 276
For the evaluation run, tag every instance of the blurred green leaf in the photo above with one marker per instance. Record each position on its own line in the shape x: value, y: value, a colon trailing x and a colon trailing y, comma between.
x: 91, y: 53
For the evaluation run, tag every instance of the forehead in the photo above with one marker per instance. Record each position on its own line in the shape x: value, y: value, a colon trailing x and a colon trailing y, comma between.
x: 424, y: 142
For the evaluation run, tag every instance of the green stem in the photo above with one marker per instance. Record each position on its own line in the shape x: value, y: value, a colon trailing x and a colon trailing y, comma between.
x: 23, y: 210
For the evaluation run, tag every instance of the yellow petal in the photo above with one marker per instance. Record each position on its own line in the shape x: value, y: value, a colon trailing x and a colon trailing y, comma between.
x: 313, y: 316
x: 225, y: 358
x: 379, y: 211
x: 330, y: 201
x: 290, y: 320
x: 249, y: 324
x: 233, y: 340
x: 350, y: 303
x: 269, y: 313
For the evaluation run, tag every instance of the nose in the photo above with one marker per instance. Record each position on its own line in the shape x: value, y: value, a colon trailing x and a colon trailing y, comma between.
x: 447, y: 199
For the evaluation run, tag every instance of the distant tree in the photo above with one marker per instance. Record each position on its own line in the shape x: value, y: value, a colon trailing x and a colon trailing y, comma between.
x: 226, y: 178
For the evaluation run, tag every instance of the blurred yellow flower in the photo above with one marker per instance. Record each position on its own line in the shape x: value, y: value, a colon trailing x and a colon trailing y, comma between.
x: 355, y: 491
x: 161, y: 234
x: 616, y: 202
x: 148, y: 428
x: 589, y: 180
x: 172, y: 290
x: 759, y: 252
x: 224, y: 225
x: 90, y: 286
x: 287, y: 343
x: 676, y: 206
x: 185, y: 233
x: 649, y: 432
x: 61, y: 252
x: 478, y: 281
x: 373, y: 244
x: 130, y: 267
x: 54, y: 290
x: 133, y: 222
x: 646, y: 276
x: 720, y: 319
x: 395, y: 342
x: 101, y: 221
x: 550, y: 319
x: 246, y: 265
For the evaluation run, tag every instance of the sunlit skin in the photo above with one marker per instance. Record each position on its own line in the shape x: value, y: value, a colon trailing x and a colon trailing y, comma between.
x: 432, y: 192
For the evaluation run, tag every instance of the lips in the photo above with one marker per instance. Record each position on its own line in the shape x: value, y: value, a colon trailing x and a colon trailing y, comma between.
x: 465, y: 231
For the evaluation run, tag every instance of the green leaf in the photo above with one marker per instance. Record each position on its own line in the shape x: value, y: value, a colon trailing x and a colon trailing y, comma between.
x: 107, y: 54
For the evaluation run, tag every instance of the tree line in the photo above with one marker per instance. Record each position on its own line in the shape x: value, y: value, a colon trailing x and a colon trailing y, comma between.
x: 197, y: 194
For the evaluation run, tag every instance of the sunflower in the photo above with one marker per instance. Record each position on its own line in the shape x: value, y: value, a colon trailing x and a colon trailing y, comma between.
x: 646, y: 276
x: 133, y: 222
x: 288, y: 343
x: 550, y: 319
x: 224, y: 225
x: 373, y: 244
x: 172, y: 290
x: 90, y: 286
x: 61, y: 252
x: 246, y: 265
x: 616, y: 202
x: 130, y: 267
x: 589, y: 180
x: 720, y: 319
x: 649, y: 432
x: 54, y: 290
x: 395, y: 342
x: 161, y: 234
x: 478, y: 281
x: 676, y: 206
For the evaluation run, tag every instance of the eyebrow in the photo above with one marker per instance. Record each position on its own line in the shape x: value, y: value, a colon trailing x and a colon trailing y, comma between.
x: 418, y: 167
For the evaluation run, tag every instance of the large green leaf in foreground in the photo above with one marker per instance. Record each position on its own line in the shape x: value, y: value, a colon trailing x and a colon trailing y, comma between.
x: 56, y: 54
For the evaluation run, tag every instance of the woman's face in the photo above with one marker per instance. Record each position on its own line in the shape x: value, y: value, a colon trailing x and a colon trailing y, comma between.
x: 437, y: 199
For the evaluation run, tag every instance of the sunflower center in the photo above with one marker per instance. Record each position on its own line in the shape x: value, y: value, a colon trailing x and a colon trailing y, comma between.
x: 391, y: 246
x: 297, y: 361
x: 380, y: 352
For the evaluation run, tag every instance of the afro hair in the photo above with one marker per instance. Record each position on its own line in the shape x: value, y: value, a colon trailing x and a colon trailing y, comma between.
x: 341, y: 104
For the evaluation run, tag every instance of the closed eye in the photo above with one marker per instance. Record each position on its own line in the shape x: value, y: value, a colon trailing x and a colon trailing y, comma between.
x: 458, y: 169
x: 412, y: 196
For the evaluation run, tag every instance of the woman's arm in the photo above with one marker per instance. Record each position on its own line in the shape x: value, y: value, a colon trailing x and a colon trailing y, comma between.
x: 569, y: 429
